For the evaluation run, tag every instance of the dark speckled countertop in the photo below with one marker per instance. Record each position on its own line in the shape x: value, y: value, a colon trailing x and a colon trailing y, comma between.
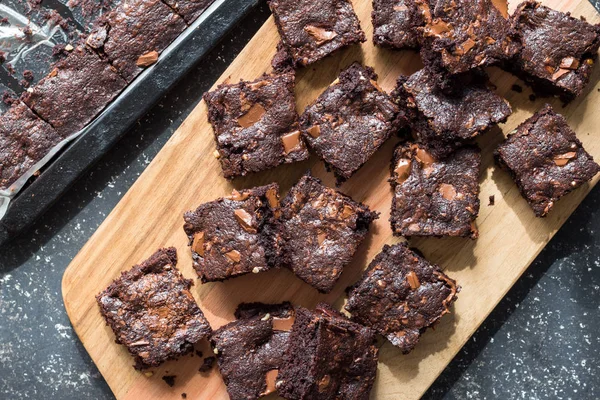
x: 541, y: 341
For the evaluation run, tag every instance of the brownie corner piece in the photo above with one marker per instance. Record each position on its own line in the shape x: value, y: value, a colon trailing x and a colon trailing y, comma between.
x: 432, y: 196
x: 558, y: 50
x: 320, y: 229
x: 152, y: 312
x: 328, y: 357
x: 395, y: 23
x: 350, y: 121
x: 250, y: 349
x: 312, y: 30
x: 546, y: 159
x: 400, y: 295
x: 233, y: 236
x: 256, y: 124
x: 75, y: 91
x: 25, y: 139
x: 446, y: 119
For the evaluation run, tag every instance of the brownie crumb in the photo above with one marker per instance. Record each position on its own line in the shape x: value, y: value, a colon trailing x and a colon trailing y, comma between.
x: 532, y: 97
x: 28, y: 74
x: 199, y: 353
x: 8, y: 98
x: 492, y: 200
x: 184, y: 395
x: 169, y: 379
x: 516, y: 88
x: 207, y: 364
x: 2, y: 57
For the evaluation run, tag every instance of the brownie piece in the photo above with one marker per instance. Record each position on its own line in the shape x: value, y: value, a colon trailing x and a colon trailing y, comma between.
x: 434, y: 197
x: 189, y: 9
x: 135, y: 28
x: 558, y: 51
x: 328, y: 357
x: 24, y: 140
x: 311, y: 30
x: 86, y: 12
x: 256, y: 124
x: 400, y: 295
x: 319, y: 232
x: 152, y: 312
x: 75, y: 91
x: 546, y: 159
x: 250, y: 350
x: 349, y: 121
x: 446, y: 119
x: 460, y: 35
x: 395, y: 23
x: 232, y: 236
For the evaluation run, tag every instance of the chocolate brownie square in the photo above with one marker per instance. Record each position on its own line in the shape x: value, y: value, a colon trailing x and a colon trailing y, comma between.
x: 311, y: 30
x: 350, y: 121
x: 328, y: 357
x: 256, y: 124
x: 461, y: 35
x: 435, y: 197
x: 319, y: 232
x: 250, y: 350
x: 133, y: 34
x: 232, y: 236
x: 75, y: 91
x: 24, y: 140
x: 558, y: 51
x: 152, y: 312
x: 447, y: 119
x: 395, y: 23
x: 546, y: 159
x: 189, y: 9
x: 400, y: 295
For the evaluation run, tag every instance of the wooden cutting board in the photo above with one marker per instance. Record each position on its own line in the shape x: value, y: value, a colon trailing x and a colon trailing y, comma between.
x: 185, y: 174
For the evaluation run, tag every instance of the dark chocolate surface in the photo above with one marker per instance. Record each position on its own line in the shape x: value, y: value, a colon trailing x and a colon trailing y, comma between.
x: 256, y: 124
x: 395, y: 23
x: 152, y: 312
x: 444, y: 119
x: 349, y: 121
x: 232, y: 236
x: 312, y: 30
x: 135, y: 28
x: 329, y: 357
x: 320, y: 230
x: 83, y: 84
x: 248, y: 348
x: 435, y: 197
x: 558, y: 50
x: 546, y: 159
x: 400, y: 295
x: 24, y: 140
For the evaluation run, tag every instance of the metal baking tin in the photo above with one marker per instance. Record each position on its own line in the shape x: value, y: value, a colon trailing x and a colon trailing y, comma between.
x: 120, y: 115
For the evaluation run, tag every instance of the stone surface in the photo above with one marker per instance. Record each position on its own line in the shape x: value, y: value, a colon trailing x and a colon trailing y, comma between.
x: 540, y: 342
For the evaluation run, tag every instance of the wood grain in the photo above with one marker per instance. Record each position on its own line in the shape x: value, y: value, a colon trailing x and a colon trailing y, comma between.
x: 185, y: 174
